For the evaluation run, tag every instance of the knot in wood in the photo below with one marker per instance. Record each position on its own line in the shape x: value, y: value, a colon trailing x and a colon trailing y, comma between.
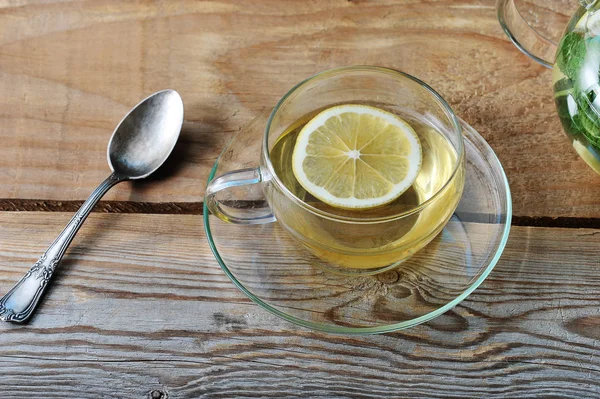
x: 158, y: 394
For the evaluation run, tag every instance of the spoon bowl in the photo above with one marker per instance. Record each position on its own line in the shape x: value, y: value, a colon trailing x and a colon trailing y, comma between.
x: 145, y: 137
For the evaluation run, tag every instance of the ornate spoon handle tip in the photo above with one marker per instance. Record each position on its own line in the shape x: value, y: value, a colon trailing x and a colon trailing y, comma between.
x: 20, y: 302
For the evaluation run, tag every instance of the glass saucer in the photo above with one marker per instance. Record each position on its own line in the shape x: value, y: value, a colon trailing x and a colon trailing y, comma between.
x: 281, y: 277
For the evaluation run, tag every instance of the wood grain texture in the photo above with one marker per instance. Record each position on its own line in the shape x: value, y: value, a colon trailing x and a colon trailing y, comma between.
x: 69, y: 70
x: 136, y: 309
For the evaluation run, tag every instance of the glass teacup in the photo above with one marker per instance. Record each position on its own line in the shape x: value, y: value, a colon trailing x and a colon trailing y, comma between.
x: 350, y: 241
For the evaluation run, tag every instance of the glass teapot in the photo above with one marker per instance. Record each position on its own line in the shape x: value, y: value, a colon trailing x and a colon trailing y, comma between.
x: 576, y: 70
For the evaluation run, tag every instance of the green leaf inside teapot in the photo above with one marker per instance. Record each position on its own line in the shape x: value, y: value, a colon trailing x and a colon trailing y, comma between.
x: 576, y: 83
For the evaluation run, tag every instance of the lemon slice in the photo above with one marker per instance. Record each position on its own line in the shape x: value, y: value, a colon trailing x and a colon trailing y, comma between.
x: 589, y: 22
x: 585, y: 154
x: 356, y: 156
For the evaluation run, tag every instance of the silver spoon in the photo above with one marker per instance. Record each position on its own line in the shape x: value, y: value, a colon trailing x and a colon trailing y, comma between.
x: 139, y: 145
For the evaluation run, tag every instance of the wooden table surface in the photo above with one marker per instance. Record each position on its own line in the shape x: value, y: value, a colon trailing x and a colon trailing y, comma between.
x: 140, y: 308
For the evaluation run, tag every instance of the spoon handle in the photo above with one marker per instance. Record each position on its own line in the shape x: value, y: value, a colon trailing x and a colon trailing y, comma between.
x: 20, y: 302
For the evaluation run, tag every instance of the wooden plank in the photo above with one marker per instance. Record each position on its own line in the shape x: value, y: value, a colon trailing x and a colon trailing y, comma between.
x: 140, y: 305
x: 70, y: 70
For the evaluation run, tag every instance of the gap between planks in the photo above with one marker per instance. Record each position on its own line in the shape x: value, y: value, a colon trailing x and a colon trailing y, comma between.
x: 195, y: 208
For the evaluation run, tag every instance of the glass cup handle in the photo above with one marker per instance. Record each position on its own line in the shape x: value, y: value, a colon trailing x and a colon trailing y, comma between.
x: 523, y: 36
x: 249, y: 215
